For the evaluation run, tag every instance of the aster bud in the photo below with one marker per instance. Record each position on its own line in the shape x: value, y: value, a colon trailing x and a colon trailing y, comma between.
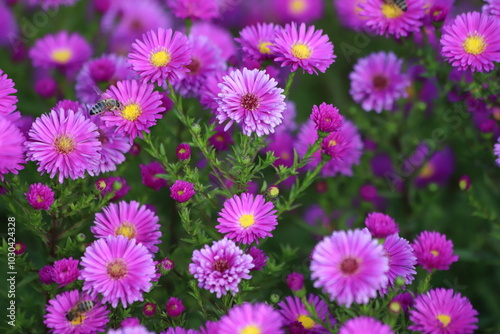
x: 19, y: 248
x: 245, y: 160
x: 174, y: 307
x: 80, y: 237
x: 183, y: 152
x: 274, y: 298
x: 196, y: 128
x: 135, y: 149
x: 149, y: 309
x: 273, y: 192
x: 117, y: 185
x: 400, y: 281
x: 166, y: 265
x: 46, y: 87
x: 46, y: 274
x: 380, y: 225
x: 295, y: 281
x: 464, y: 183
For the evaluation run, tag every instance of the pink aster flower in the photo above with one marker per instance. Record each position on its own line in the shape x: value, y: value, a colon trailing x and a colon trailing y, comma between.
x: 388, y: 19
x: 365, y: 324
x: 40, y: 196
x: 160, y: 56
x: 251, y: 98
x: 336, y: 145
x: 92, y: 321
x: 149, y: 178
x: 293, y: 309
x: 221, y: 267
x: 246, y: 218
x: 350, y: 266
x: 183, y: 151
x: 7, y: 98
x: 327, y: 118
x: 402, y: 260
x: 256, y: 39
x: 194, y: 9
x: 222, y: 139
x: 141, y: 107
x: 182, y: 191
x: 472, y: 42
x: 118, y: 268
x: 130, y: 322
x: 174, y: 307
x: 380, y: 225
x: 295, y: 281
x: 348, y: 13
x: 377, y: 81
x: 259, y: 258
x: 62, y: 50
x: 11, y: 148
x: 251, y: 318
x: 434, y: 251
x: 65, y: 271
x: 303, y: 47
x: 305, y: 11
x: 442, y: 311
x: 64, y: 142
x: 132, y: 220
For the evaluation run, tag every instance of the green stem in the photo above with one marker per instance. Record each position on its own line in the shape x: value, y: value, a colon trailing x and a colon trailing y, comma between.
x: 289, y: 83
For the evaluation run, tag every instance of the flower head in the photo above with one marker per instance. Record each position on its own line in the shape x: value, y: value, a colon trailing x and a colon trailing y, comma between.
x: 295, y: 281
x: 149, y: 309
x: 174, y: 307
x: 442, y: 311
x: 304, y: 47
x: 401, y: 302
x: 246, y: 218
x: 194, y: 9
x: 365, y: 324
x: 11, y: 148
x: 402, y: 261
x: 118, y: 268
x: 293, y: 309
x: 19, y: 248
x: 40, y: 196
x: 65, y: 271
x: 46, y: 274
x: 380, y: 225
x: 327, y: 118
x: 149, y: 178
x: 221, y: 267
x: 434, y: 251
x: 259, y: 258
x: 350, y: 266
x: 251, y: 318
x: 183, y: 151
x: 255, y: 40
x: 348, y: 13
x: 472, y: 42
x: 182, y: 191
x: 112, y: 184
x: 492, y: 8
x: 7, y: 98
x: 251, y: 98
x: 165, y: 265
x: 337, y: 145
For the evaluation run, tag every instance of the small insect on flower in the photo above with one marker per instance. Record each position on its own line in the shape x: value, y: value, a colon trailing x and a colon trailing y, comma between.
x: 76, y: 313
x: 401, y: 4
x: 104, y: 104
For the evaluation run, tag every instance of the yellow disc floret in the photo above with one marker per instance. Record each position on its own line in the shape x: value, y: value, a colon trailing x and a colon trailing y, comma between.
x: 160, y: 58
x: 301, y: 51
x: 474, y: 45
x: 391, y: 11
x: 247, y: 220
x: 131, y: 112
x: 61, y: 56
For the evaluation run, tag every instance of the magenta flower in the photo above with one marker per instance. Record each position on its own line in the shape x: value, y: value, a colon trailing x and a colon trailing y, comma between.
x: 11, y: 148
x: 350, y: 266
x: 246, y: 218
x: 348, y: 13
x: 222, y: 139
x: 211, y: 90
x: 8, y: 28
x: 118, y: 268
x: 442, y: 311
x: 303, y: 47
x: 337, y: 145
x: 7, y: 98
x: 401, y: 302
x: 174, y: 307
x: 141, y: 107
x: 165, y: 265
x: 388, y: 19
x: 19, y: 248
x: 130, y: 322
x: 65, y: 271
x: 46, y: 274
x: 182, y: 191
x: 221, y: 267
x: 194, y: 9
x: 377, y: 82
x: 292, y: 309
x: 220, y: 36
x: 160, y: 56
x: 365, y: 324
x: 327, y: 118
x: 434, y: 251
x: 259, y: 258
x: 472, y: 42
x: 149, y: 309
x: 255, y: 40
x: 251, y: 98
x: 183, y: 151
x: 402, y: 260
x: 300, y: 11
x: 113, y: 184
x: 92, y: 321
x: 380, y: 225
x: 295, y: 281
x: 132, y: 220
x: 149, y: 178
x: 251, y: 318
x: 210, y: 327
x: 64, y: 142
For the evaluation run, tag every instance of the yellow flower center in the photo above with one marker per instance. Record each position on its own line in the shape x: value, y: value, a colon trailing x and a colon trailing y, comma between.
x: 297, y: 6
x: 78, y: 320
x: 160, y: 58
x: 131, y: 112
x: 182, y: 151
x: 64, y: 144
x: 444, y: 319
x: 332, y: 143
x: 307, y: 322
x: 301, y: 51
x: 250, y: 330
x: 126, y: 229
x: 264, y: 47
x: 39, y: 199
x: 474, y: 45
x: 61, y: 56
x: 427, y: 171
x: 395, y: 307
x: 247, y: 220
x: 180, y: 192
x: 434, y: 252
x: 117, y: 269
x: 391, y: 11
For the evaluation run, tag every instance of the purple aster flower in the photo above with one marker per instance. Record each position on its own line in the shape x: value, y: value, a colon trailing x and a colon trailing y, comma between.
x: 378, y: 81
x: 149, y: 309
x: 401, y: 302
x: 380, y: 225
x: 251, y: 318
x: 246, y: 218
x: 107, y: 69
x: 295, y: 281
x: 299, y: 11
x: 218, y: 35
x: 256, y: 39
x: 11, y: 148
x: 174, y: 307
x: 442, y: 311
x: 434, y: 251
x: 194, y: 9
x: 183, y: 151
x: 63, y: 51
x: 149, y: 178
x: 438, y: 169
x: 141, y: 107
x: 348, y: 13
x: 365, y: 324
x: 350, y: 266
x: 19, y: 248
x: 259, y: 258
x: 251, y: 98
x: 8, y: 26
x: 65, y: 271
x: 402, y: 261
x: 160, y: 56
x: 327, y: 118
x: 40, y: 196
x: 118, y: 268
x: 64, y: 142
x: 210, y: 327
x: 472, y: 42
x: 132, y: 220
x: 388, y: 19
x: 7, y: 98
x: 304, y: 47
x: 293, y: 309
x: 46, y: 274
x: 492, y: 8
x: 165, y: 265
x: 56, y: 320
x: 182, y: 191
x: 130, y: 330
x: 221, y: 267
x: 336, y: 145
